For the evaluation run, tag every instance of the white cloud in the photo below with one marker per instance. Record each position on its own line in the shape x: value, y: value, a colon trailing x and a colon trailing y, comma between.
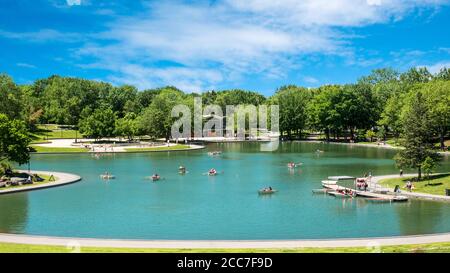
x: 73, y: 2
x: 203, y: 45
x: 25, y: 65
x: 436, y: 67
x: 235, y: 38
x: 43, y: 35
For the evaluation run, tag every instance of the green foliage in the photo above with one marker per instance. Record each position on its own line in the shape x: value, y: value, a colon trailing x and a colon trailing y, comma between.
x: 156, y: 120
x: 14, y: 140
x: 126, y: 126
x: 98, y: 124
x: 428, y: 166
x: 292, y: 101
x: 11, y: 98
x: 417, y: 134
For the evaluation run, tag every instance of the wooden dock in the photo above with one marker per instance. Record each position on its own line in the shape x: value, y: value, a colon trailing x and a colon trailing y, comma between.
x: 371, y: 195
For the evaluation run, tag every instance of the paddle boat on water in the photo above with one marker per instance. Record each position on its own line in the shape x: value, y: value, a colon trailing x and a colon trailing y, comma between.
x: 214, y: 153
x: 155, y: 177
x: 182, y: 170
x: 107, y: 176
x: 268, y: 190
x: 342, y: 193
x: 212, y: 172
x: 292, y: 165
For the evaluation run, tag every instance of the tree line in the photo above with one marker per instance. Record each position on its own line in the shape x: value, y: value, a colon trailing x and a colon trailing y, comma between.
x: 380, y: 105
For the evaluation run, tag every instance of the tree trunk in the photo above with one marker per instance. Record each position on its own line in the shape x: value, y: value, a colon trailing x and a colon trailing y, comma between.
x: 419, y: 170
x: 441, y: 138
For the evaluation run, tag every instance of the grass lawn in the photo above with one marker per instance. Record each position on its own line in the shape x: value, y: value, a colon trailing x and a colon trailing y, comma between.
x: 432, y: 248
x: 41, y: 149
x: 436, y: 184
x: 162, y: 148
x: 46, y: 132
x: 46, y: 177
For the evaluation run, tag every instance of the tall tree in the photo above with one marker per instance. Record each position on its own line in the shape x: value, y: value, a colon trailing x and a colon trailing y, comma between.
x: 437, y: 98
x: 156, y: 120
x: 417, y: 134
x: 10, y: 94
x: 14, y: 140
x: 98, y: 124
x: 292, y: 101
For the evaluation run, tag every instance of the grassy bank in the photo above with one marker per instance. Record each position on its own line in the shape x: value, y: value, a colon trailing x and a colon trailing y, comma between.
x: 161, y: 148
x: 41, y: 149
x: 45, y: 181
x: 436, y: 184
x: 427, y: 248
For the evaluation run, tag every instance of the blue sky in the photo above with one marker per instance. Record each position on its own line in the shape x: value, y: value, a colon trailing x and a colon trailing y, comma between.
x: 202, y: 45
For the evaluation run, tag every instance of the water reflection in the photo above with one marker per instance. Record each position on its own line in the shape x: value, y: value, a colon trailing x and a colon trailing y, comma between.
x: 419, y: 217
x: 14, y: 218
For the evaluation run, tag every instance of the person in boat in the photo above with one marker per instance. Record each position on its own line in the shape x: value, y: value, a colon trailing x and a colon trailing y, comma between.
x: 182, y: 169
x: 212, y: 171
x: 270, y: 188
x: 155, y: 176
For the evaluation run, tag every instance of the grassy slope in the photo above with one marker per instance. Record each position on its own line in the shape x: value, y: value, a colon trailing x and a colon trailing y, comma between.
x: 435, y: 185
x: 162, y: 148
x: 51, y: 131
x: 436, y: 247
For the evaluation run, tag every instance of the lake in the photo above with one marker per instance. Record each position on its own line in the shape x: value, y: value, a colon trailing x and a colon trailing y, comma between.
x: 227, y: 206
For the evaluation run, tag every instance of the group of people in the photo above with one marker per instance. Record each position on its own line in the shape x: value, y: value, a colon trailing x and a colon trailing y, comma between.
x: 361, y: 183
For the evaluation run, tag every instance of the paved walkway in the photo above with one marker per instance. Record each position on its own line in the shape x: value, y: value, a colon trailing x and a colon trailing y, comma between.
x: 375, y: 185
x: 62, y: 179
x: 355, y: 242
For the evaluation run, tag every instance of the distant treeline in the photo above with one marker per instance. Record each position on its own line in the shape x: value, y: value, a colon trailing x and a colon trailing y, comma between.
x: 374, y: 107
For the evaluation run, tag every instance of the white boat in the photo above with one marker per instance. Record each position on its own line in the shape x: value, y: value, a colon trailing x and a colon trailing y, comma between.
x: 333, y: 180
x: 340, y: 194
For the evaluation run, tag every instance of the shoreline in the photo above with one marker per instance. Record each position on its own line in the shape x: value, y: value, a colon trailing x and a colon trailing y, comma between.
x: 63, y: 179
x: 225, y: 244
x: 192, y: 147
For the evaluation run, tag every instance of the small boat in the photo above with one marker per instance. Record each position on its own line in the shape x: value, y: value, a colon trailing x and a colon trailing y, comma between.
x: 267, y: 191
x: 321, y: 190
x: 214, y: 153
x: 182, y: 170
x: 107, y: 176
x: 292, y: 165
x: 212, y: 172
x: 340, y: 194
x: 155, y: 177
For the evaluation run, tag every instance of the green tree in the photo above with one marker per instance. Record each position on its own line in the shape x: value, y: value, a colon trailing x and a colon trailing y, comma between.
x: 391, y: 116
x: 14, y: 140
x: 99, y: 123
x: 126, y: 126
x: 11, y: 99
x: 437, y: 98
x: 292, y: 101
x: 417, y: 134
x: 156, y: 120
x: 428, y: 166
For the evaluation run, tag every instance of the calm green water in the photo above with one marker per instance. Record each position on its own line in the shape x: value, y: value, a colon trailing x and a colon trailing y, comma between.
x: 195, y: 206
